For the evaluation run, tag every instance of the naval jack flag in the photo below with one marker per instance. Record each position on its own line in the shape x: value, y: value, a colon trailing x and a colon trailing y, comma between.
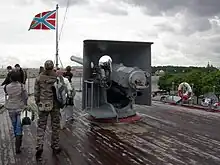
x: 44, y: 21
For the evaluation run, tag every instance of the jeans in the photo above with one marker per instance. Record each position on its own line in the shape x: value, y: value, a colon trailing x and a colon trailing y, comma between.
x: 16, y: 122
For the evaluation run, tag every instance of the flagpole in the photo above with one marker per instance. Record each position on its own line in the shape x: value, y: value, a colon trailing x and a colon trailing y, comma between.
x: 57, y: 48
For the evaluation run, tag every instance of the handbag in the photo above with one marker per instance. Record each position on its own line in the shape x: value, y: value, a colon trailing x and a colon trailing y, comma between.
x: 27, y: 116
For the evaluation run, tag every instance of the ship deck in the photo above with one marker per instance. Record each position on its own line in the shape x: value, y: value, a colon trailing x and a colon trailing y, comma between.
x: 165, y: 135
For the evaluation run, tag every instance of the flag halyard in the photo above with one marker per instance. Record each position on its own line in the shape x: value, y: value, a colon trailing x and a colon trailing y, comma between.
x: 44, y: 21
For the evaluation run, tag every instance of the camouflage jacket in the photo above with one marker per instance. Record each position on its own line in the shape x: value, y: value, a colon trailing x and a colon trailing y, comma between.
x: 44, y: 91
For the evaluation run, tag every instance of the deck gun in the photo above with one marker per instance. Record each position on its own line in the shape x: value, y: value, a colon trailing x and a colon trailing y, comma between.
x: 114, y: 88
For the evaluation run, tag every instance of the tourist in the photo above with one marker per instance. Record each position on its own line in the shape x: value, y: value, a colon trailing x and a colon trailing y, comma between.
x: 7, y: 79
x: 63, y: 111
x: 68, y: 74
x: 45, y: 98
x: 41, y: 69
x: 22, y: 74
x: 15, y: 103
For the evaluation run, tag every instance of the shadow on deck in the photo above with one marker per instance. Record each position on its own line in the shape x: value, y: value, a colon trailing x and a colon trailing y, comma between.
x: 165, y: 135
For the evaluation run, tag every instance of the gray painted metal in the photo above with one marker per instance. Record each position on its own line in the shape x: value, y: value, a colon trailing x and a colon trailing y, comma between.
x: 133, y: 55
x: 77, y: 59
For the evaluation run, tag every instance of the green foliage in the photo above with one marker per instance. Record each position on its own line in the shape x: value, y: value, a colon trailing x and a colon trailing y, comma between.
x: 203, y: 80
x: 182, y: 69
x: 165, y: 82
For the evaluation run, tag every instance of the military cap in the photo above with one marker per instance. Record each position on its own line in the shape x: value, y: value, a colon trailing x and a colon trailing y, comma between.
x: 48, y: 65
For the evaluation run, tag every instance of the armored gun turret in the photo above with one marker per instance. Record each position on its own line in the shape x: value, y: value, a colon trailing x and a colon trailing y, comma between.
x: 112, y: 86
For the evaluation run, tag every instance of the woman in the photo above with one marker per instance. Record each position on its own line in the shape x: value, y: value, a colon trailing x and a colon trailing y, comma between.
x: 15, y: 104
x: 68, y: 75
x: 64, y: 116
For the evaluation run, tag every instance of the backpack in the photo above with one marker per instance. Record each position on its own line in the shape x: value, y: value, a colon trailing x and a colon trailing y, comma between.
x: 61, y: 92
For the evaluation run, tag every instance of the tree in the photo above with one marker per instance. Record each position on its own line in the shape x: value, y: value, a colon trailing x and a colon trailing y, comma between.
x: 204, y: 80
x: 164, y: 82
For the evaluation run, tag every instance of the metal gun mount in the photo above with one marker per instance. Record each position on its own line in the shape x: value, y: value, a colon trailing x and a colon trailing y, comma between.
x: 116, y: 88
x: 116, y: 74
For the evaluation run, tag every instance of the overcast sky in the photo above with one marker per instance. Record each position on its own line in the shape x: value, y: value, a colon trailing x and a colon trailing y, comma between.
x: 184, y: 32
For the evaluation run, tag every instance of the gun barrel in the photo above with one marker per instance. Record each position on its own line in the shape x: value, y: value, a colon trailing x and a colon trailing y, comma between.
x: 129, y: 77
x: 77, y: 59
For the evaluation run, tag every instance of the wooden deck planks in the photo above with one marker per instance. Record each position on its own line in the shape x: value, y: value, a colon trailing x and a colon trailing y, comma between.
x: 165, y: 135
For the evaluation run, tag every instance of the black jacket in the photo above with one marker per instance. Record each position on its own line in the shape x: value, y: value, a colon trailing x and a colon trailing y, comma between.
x: 23, y: 76
x: 68, y: 75
x: 7, y: 79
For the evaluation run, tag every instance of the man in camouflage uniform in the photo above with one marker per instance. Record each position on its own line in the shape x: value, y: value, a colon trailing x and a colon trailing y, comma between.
x: 45, y: 98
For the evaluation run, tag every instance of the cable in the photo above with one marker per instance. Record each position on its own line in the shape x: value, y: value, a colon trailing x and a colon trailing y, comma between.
x: 60, y: 62
x: 64, y: 19
x: 61, y: 30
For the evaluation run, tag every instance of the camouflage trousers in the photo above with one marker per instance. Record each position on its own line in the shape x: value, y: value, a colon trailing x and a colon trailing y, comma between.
x: 42, y: 124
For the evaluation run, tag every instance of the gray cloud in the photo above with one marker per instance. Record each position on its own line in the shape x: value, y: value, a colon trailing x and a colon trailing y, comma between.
x: 197, y: 7
x: 165, y: 27
x: 193, y: 24
x: 112, y: 8
x: 196, y: 12
x: 188, y: 26
x: 215, y: 39
x: 62, y: 3
x: 24, y: 2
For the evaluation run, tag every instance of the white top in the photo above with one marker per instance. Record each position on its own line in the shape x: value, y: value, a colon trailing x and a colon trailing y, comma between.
x: 67, y: 83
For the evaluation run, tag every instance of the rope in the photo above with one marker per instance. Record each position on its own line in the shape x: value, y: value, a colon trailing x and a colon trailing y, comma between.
x: 60, y: 62
x: 64, y: 19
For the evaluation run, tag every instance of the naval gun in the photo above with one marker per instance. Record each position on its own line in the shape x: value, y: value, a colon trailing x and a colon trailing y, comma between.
x: 110, y: 87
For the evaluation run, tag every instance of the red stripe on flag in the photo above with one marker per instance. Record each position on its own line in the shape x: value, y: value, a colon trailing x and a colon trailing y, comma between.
x: 38, y: 15
x: 38, y: 26
x: 45, y: 27
x: 52, y: 22
x: 53, y: 16
x: 44, y: 13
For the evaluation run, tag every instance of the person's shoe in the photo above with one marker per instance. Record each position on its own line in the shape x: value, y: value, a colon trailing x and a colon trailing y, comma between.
x: 38, y: 155
x: 20, y: 140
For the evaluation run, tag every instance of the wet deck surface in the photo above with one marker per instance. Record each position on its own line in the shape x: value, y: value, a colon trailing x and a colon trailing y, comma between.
x: 165, y: 135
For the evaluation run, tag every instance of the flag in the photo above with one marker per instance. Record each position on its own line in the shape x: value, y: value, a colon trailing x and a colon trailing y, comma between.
x: 44, y: 21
